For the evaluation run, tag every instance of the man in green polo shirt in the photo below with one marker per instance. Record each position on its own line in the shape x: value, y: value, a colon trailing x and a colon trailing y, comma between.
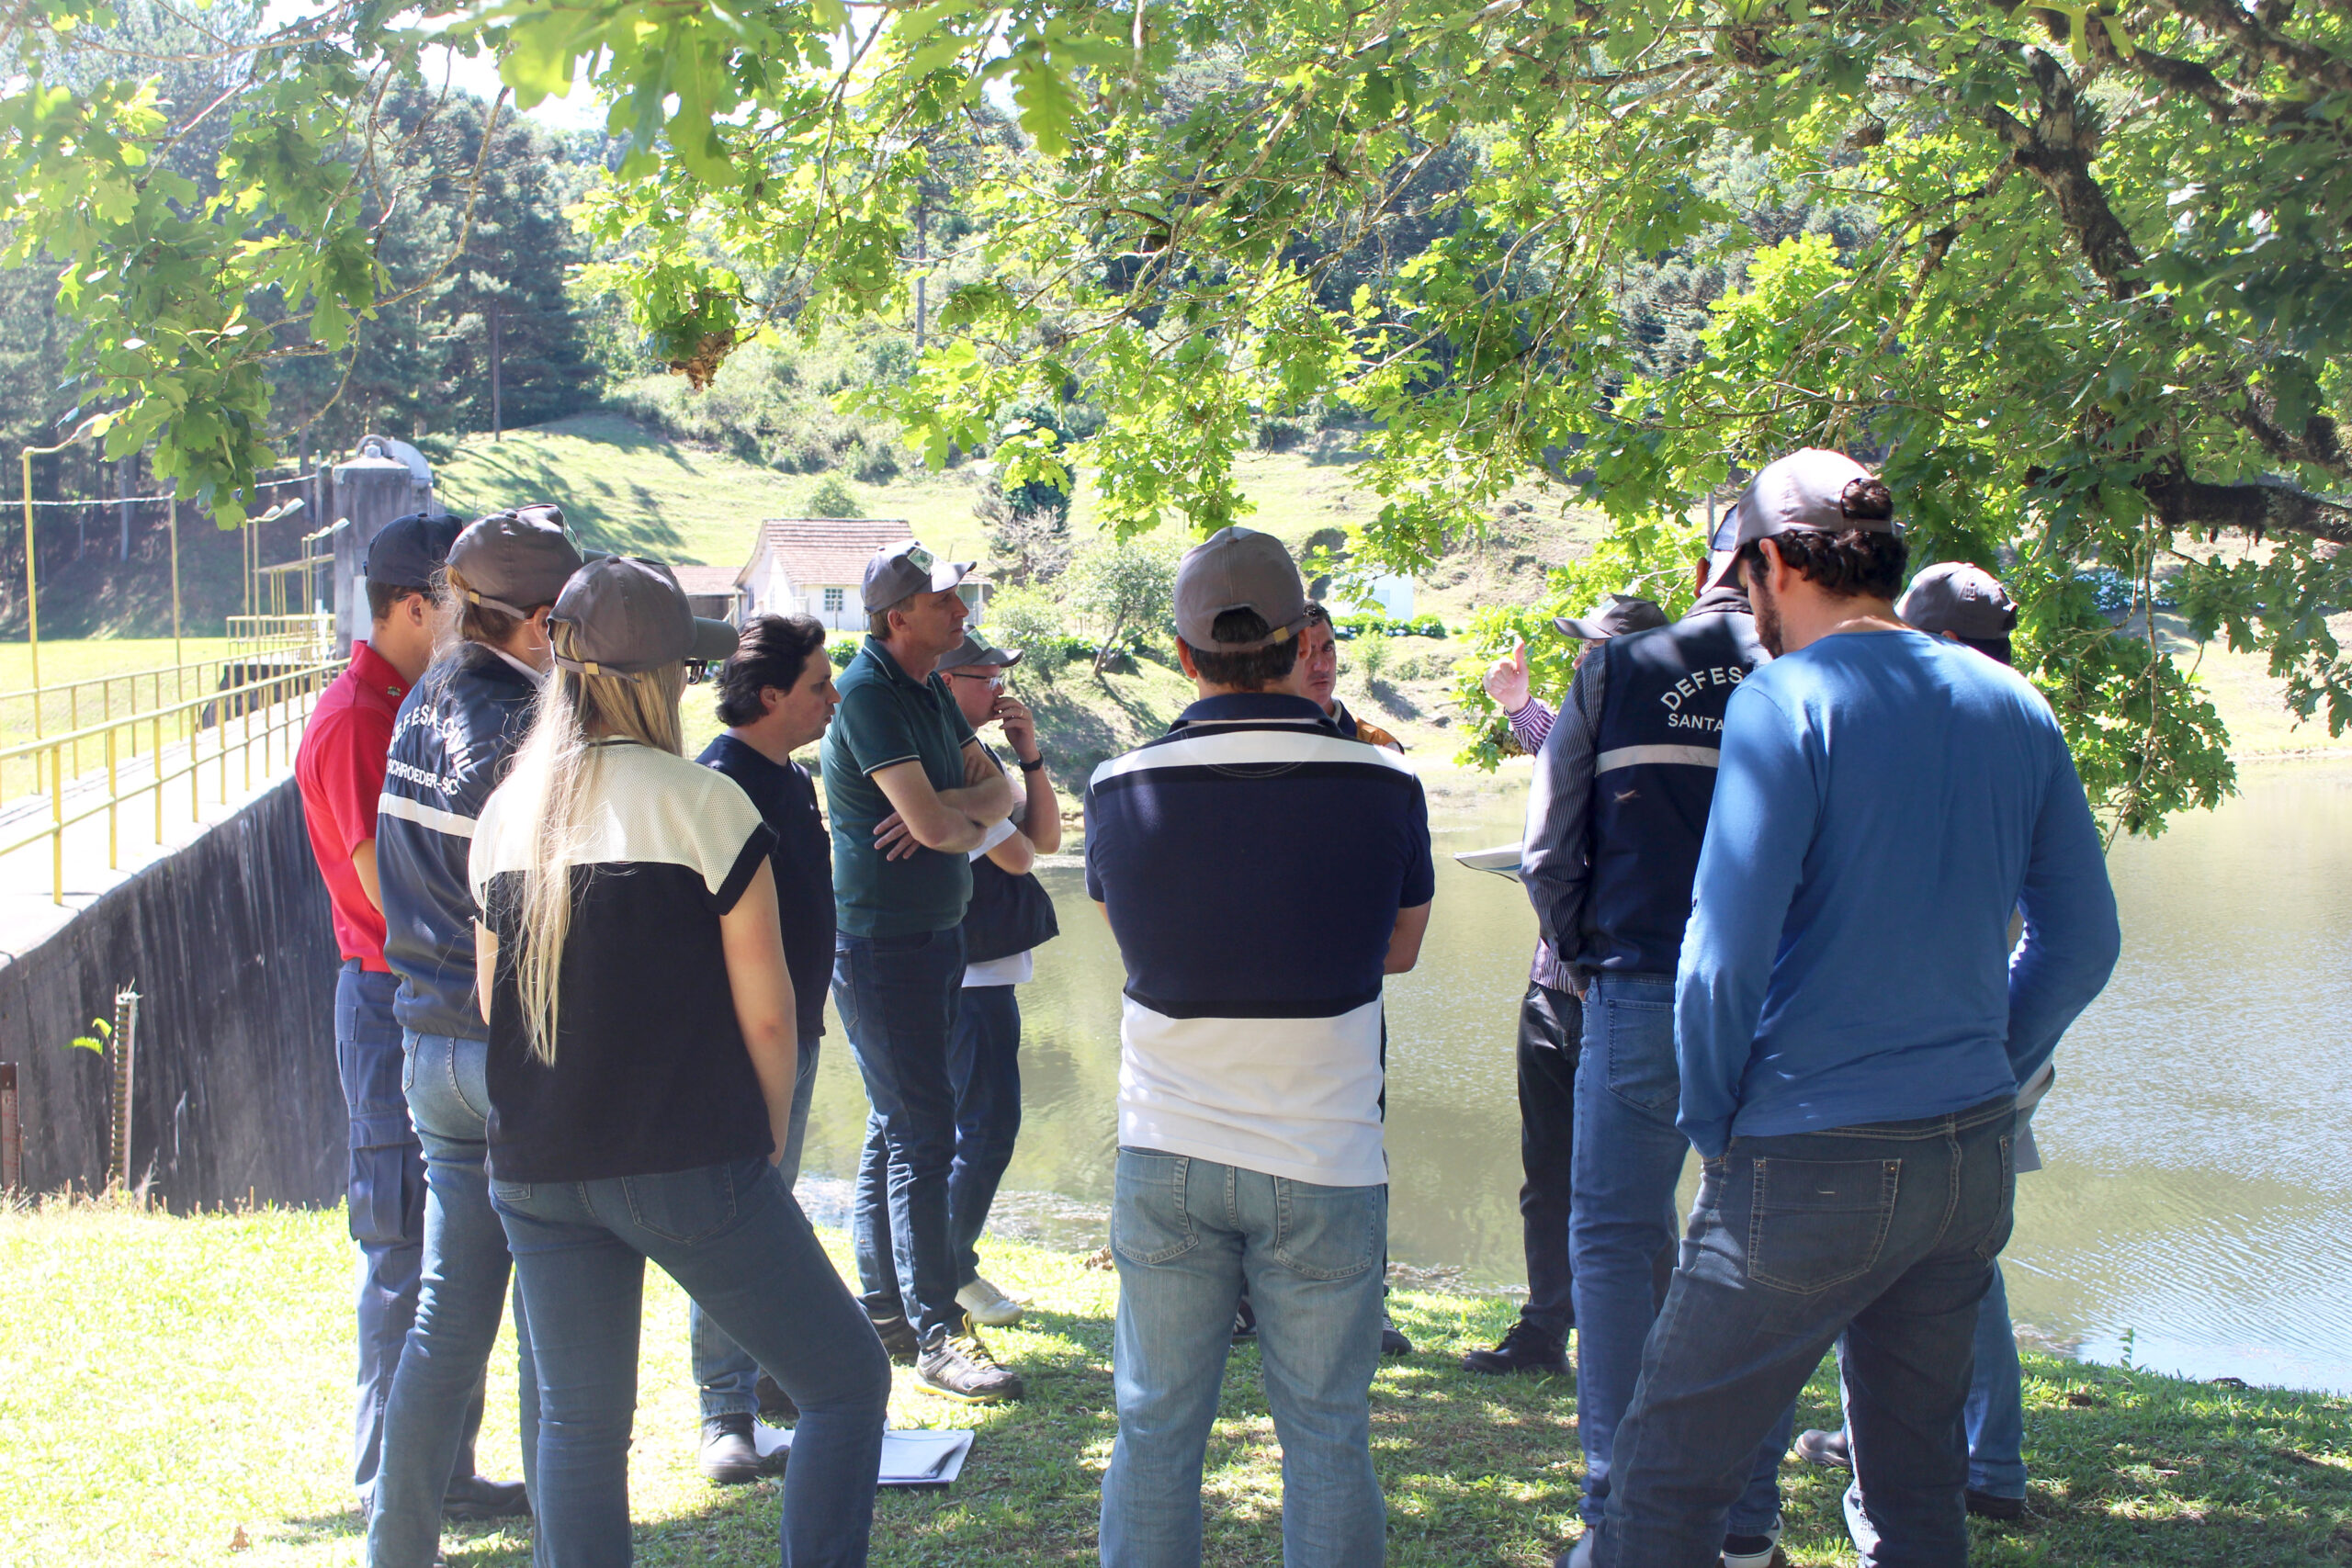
x: 911, y: 792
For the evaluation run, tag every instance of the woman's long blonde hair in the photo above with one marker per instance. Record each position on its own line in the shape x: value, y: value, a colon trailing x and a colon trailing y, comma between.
x: 552, y: 780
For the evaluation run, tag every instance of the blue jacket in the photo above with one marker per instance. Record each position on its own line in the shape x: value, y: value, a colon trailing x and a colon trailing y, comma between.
x: 1623, y: 786
x: 451, y: 745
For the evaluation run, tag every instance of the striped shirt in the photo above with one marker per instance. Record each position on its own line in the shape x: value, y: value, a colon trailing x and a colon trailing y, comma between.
x: 1252, y: 862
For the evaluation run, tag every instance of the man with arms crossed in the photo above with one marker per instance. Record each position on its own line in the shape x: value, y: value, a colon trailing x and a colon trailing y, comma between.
x: 1852, y: 1028
x: 912, y: 794
x: 776, y: 695
x: 1249, y: 1075
x: 339, y: 768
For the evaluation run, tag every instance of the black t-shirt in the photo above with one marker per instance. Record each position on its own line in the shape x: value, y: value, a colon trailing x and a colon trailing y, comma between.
x: 650, y: 1074
x: 787, y: 799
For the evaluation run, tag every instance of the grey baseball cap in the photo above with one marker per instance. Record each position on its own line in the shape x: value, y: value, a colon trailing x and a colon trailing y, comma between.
x: 628, y: 615
x: 898, y: 570
x: 408, y: 550
x: 972, y: 651
x: 1966, y: 600
x: 515, y: 560
x: 1616, y: 615
x: 1808, y: 488
x: 1239, y: 569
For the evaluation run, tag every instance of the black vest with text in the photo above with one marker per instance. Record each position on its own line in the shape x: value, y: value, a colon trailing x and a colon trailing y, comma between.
x: 1655, y: 747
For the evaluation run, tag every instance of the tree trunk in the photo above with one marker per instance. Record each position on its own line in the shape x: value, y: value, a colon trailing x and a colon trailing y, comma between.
x: 1109, y: 640
x: 497, y: 413
x: 122, y: 475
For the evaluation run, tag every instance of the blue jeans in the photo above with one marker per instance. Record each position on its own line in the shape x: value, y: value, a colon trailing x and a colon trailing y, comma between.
x: 898, y: 997
x: 436, y: 1398
x: 984, y: 1062
x: 1995, y: 1413
x: 1629, y: 1155
x: 732, y: 1237
x: 1187, y: 1232
x: 1886, y: 1233
x: 384, y: 1191
x: 1993, y: 1417
x: 729, y: 1379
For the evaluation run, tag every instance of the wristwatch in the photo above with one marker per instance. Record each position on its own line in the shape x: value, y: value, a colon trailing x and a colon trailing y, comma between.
x: 1033, y: 764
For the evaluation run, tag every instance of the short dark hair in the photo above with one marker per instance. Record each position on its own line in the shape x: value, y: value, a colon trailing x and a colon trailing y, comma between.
x: 772, y: 651
x: 382, y: 597
x: 1845, y: 565
x: 1250, y: 671
x: 1318, y: 613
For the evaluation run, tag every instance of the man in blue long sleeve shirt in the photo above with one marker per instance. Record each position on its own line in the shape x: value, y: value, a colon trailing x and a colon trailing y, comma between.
x: 1851, y: 1030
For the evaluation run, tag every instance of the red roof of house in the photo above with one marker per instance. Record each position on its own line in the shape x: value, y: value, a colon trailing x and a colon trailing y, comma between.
x: 700, y: 581
x: 822, y: 552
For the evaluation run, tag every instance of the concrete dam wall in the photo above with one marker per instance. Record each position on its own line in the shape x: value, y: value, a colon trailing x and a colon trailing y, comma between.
x: 227, y: 942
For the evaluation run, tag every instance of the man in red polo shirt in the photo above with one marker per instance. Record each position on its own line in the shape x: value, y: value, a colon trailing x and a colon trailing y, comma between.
x: 340, y: 771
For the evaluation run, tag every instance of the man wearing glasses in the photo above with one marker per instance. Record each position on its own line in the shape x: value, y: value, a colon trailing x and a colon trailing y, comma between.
x: 1010, y: 916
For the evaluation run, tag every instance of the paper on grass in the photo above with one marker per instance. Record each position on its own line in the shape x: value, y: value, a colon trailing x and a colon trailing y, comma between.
x: 1502, y: 860
x: 918, y: 1458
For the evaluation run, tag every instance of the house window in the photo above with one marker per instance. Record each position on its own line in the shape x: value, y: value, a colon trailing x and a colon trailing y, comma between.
x: 833, y: 601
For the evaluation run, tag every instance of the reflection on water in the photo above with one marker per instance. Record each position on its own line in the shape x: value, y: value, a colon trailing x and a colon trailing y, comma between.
x: 2195, y: 1197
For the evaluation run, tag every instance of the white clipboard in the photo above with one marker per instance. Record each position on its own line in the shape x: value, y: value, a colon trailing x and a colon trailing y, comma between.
x: 922, y: 1457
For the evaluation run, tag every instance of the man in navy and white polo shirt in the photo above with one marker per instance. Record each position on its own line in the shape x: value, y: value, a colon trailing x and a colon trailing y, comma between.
x: 1249, y: 1072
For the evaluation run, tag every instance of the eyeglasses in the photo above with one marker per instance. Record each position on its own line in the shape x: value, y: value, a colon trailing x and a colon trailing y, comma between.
x: 993, y: 683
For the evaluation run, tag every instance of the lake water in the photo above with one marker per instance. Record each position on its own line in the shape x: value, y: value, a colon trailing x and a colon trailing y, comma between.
x: 2195, y: 1210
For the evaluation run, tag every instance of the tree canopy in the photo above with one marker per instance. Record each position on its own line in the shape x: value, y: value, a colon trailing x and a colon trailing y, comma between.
x: 2083, y: 297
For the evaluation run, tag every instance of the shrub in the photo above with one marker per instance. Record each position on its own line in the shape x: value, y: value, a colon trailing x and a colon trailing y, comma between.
x: 1372, y: 653
x: 840, y: 653
x: 1122, y: 586
x: 1029, y: 620
x: 832, y: 499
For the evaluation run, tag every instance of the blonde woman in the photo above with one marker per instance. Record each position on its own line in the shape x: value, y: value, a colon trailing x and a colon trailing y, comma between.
x: 641, y: 1066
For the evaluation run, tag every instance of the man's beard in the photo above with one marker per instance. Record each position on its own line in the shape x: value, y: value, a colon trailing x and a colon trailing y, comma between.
x: 1768, y: 617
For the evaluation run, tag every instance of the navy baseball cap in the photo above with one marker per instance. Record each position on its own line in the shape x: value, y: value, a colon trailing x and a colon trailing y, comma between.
x: 408, y: 550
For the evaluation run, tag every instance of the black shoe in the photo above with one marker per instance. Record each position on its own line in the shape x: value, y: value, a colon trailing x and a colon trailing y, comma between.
x: 728, y: 1455
x: 1985, y: 1505
x: 1245, y: 1320
x: 1392, y: 1338
x: 1526, y: 1348
x: 1825, y: 1448
x: 898, y: 1338
x: 776, y: 1406
x: 959, y: 1366
x: 480, y: 1497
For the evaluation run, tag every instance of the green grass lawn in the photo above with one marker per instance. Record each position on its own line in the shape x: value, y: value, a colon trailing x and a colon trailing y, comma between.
x: 177, y: 1390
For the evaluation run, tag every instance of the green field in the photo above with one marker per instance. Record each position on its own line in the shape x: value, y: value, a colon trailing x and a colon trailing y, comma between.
x: 178, y: 1390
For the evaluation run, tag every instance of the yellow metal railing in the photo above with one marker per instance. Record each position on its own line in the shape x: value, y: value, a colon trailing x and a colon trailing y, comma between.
x: 264, y: 712
x: 259, y: 646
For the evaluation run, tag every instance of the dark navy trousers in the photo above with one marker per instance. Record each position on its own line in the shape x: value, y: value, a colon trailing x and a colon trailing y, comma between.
x: 384, y: 1186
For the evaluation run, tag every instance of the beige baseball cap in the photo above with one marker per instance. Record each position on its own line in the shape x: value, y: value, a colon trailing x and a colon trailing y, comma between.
x: 1239, y: 569
x: 1809, y: 488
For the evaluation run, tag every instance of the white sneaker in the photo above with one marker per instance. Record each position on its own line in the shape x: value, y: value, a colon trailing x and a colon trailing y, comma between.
x: 1578, y: 1556
x: 989, y: 1307
x: 1755, y: 1550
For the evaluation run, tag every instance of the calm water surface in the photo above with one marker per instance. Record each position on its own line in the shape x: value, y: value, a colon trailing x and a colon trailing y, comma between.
x: 2196, y: 1207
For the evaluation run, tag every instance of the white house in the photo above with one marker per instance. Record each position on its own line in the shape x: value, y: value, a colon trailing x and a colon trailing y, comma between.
x: 815, y: 565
